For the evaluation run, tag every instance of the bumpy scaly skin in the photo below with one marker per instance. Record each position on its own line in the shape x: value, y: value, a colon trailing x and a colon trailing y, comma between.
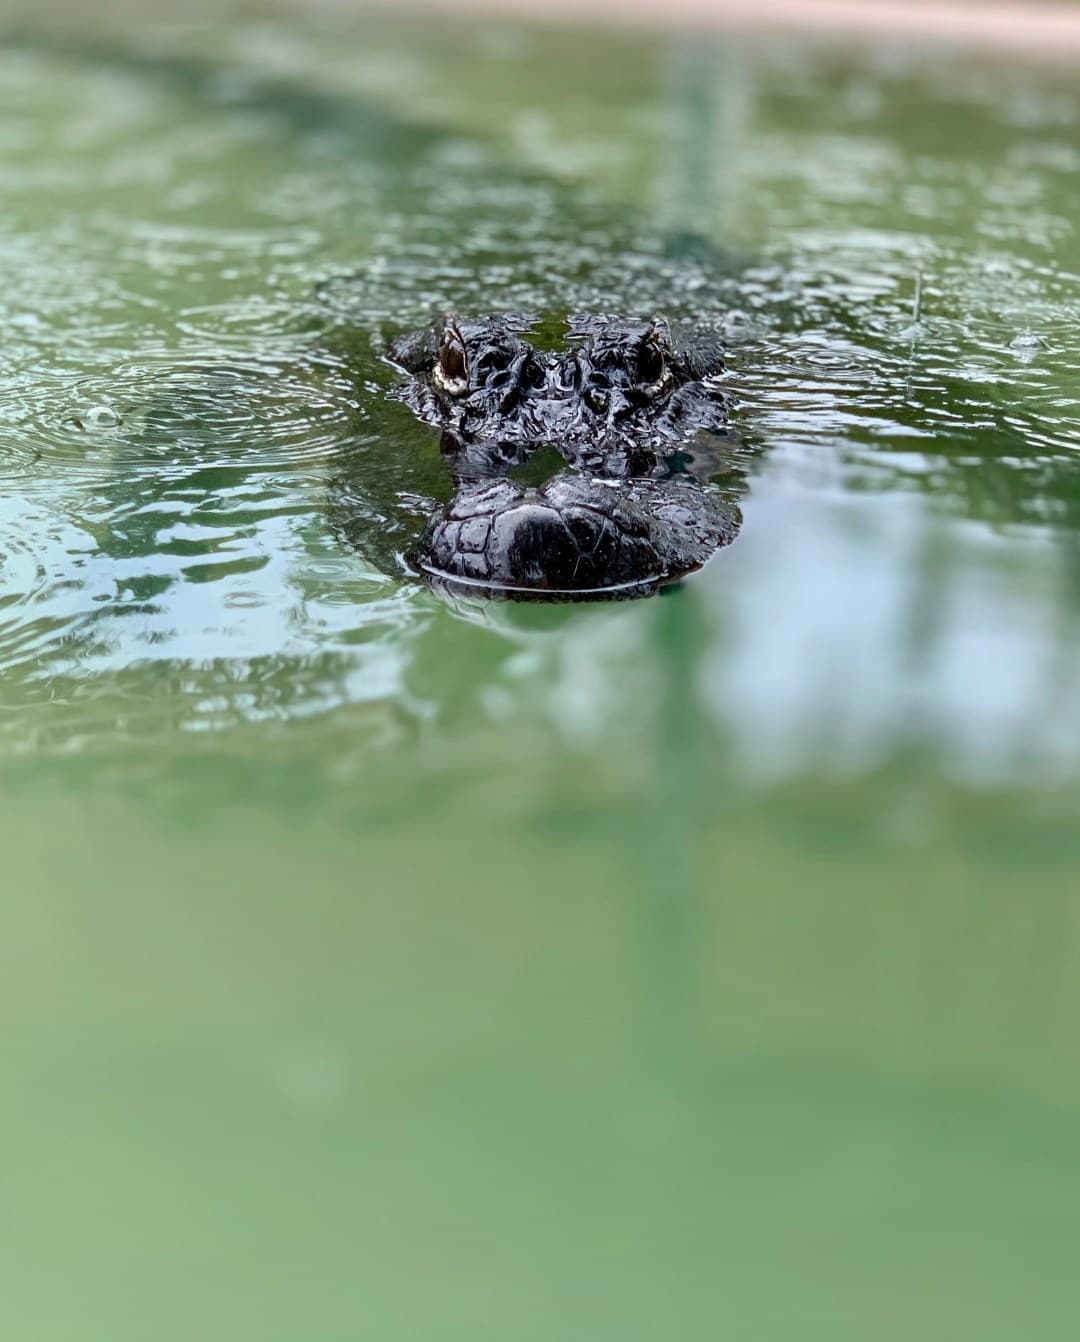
x: 575, y: 535
x: 616, y: 405
x: 505, y: 374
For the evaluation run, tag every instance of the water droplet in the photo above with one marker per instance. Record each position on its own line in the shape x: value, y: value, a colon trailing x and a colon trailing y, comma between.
x: 913, y: 331
x: 99, y: 417
x: 1026, y: 345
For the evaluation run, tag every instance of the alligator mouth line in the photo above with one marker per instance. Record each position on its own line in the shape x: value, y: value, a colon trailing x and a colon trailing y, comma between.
x: 639, y: 585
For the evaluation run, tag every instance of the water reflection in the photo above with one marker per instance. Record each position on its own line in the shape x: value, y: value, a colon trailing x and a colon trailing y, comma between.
x: 241, y: 523
x: 466, y: 969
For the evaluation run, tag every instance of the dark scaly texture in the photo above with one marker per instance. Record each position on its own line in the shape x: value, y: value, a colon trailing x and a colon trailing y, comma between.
x: 618, y: 403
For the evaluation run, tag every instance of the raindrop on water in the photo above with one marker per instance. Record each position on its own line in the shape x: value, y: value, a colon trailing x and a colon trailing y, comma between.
x: 1026, y: 345
x: 98, y: 417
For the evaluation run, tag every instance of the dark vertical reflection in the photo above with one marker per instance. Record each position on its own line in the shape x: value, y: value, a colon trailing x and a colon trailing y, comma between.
x: 665, y: 874
x: 708, y: 95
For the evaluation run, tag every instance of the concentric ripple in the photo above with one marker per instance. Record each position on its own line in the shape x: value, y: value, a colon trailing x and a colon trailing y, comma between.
x: 262, y: 412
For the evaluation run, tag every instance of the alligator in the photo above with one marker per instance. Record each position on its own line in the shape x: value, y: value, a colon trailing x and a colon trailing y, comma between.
x: 629, y: 406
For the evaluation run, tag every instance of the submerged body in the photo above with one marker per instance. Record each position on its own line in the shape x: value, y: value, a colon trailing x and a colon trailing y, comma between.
x: 620, y: 405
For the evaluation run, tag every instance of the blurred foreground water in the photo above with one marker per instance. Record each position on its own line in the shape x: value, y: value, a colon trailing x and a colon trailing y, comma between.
x: 377, y: 967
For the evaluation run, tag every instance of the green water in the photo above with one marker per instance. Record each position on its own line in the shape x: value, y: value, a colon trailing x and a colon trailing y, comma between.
x: 373, y: 967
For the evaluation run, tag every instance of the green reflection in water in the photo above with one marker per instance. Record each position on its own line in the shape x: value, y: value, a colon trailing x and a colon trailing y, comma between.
x: 372, y: 966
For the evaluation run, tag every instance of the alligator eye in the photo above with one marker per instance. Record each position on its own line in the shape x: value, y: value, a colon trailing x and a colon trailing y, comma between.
x: 452, y: 370
x: 650, y: 365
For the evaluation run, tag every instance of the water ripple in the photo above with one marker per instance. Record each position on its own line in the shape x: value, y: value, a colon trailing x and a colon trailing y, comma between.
x: 203, y: 491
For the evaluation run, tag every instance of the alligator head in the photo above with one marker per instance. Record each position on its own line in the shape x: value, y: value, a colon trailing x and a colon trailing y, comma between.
x: 618, y: 402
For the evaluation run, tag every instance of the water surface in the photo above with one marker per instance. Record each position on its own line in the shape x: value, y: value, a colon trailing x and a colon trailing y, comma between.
x: 374, y: 965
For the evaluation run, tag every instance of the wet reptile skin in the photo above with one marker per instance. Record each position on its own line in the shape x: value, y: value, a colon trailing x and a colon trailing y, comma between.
x: 621, y: 403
